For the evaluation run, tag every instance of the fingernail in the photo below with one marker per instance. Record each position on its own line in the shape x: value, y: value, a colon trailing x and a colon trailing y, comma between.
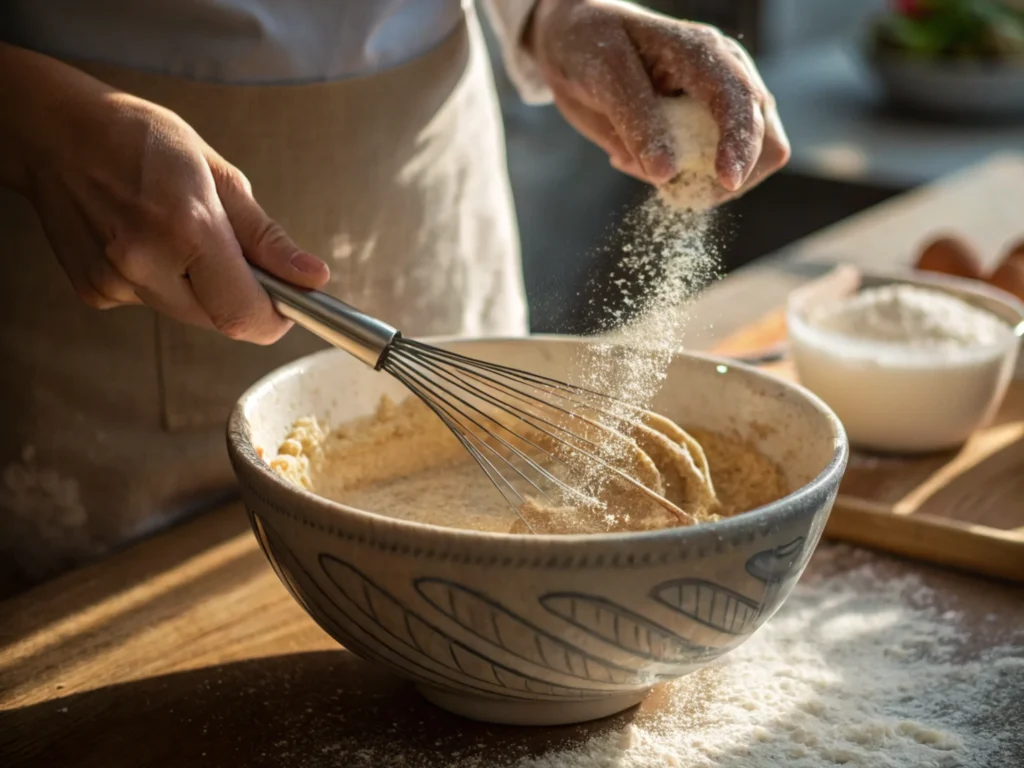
x: 732, y: 179
x: 305, y: 262
x: 661, y: 168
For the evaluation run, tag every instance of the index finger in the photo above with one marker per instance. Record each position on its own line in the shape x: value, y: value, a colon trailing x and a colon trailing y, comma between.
x: 621, y: 89
x: 741, y: 134
x: 226, y: 289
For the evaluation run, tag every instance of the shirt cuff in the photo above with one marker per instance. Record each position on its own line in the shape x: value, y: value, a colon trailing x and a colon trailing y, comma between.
x: 508, y: 19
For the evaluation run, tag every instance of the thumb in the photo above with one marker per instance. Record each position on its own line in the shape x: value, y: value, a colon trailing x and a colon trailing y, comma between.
x: 265, y: 243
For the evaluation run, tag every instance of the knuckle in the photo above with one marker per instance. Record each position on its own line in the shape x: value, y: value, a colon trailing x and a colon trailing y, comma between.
x: 781, y: 153
x: 249, y: 328
x: 734, y: 46
x: 230, y: 179
x: 191, y: 229
x: 238, y: 327
x: 706, y: 36
x: 129, y: 260
x: 92, y: 299
x: 106, y: 284
x: 269, y: 235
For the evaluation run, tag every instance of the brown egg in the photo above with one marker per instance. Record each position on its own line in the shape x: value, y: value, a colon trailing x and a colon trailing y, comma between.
x: 951, y: 256
x: 1010, y: 274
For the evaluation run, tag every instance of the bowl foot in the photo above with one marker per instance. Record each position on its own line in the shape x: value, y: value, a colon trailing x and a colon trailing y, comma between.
x: 503, y: 712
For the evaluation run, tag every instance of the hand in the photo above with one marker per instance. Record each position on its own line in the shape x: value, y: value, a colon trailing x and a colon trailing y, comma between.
x: 607, y: 63
x: 139, y: 209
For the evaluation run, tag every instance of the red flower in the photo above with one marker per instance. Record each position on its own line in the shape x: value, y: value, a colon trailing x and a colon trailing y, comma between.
x: 915, y: 9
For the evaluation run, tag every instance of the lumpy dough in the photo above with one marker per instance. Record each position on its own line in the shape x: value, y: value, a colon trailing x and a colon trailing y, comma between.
x: 404, y: 462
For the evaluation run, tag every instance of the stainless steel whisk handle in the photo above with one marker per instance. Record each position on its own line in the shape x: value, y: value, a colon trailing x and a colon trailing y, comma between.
x: 331, y: 319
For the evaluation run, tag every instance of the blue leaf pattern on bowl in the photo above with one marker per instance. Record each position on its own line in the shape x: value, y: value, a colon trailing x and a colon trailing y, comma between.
x: 779, y: 563
x: 405, y: 632
x: 623, y: 628
x: 709, y: 604
x: 493, y: 622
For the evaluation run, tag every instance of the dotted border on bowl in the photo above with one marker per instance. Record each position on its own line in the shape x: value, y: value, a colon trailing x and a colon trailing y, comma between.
x: 553, y: 562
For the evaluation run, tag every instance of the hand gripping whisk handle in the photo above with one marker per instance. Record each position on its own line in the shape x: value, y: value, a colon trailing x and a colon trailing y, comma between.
x: 332, y: 320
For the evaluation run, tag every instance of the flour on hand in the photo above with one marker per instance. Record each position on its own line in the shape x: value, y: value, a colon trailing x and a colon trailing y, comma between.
x: 695, y: 186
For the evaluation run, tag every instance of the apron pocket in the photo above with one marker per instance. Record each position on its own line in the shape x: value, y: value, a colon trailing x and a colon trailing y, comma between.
x: 202, y: 374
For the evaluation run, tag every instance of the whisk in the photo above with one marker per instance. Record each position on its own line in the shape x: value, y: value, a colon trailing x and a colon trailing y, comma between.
x: 532, y: 435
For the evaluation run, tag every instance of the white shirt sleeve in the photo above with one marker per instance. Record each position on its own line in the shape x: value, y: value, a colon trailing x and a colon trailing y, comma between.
x: 508, y: 18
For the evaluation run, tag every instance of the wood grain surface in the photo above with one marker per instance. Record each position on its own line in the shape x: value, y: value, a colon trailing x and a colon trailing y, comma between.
x: 185, y: 650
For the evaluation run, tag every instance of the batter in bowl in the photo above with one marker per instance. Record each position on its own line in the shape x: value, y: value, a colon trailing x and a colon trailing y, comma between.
x: 404, y: 462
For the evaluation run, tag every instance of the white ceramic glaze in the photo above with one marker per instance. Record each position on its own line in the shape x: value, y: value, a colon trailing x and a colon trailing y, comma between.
x: 914, y: 406
x: 540, y: 630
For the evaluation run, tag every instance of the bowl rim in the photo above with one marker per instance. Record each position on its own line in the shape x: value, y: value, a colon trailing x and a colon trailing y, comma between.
x: 967, y: 65
x: 780, y: 511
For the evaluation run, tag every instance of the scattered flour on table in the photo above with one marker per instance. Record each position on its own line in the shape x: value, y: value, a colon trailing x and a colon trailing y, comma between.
x: 858, y: 670
x: 846, y: 674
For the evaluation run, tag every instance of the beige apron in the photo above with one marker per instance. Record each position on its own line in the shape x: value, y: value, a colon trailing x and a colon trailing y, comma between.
x: 112, y: 422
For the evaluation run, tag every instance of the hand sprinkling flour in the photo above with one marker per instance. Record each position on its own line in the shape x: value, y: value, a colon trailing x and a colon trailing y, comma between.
x: 609, y: 64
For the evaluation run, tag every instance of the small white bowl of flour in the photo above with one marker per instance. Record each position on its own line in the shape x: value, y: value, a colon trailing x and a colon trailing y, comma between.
x: 910, y: 364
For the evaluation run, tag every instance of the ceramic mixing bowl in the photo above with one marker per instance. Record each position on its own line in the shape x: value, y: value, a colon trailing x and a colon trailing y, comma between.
x: 540, y: 629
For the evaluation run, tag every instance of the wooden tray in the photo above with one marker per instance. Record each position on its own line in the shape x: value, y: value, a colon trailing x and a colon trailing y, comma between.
x: 963, y: 509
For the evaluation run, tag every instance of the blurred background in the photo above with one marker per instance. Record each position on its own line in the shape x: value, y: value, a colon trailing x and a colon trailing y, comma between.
x: 855, y: 144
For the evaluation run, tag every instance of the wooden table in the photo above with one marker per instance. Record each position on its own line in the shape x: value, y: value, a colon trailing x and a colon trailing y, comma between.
x: 186, y: 651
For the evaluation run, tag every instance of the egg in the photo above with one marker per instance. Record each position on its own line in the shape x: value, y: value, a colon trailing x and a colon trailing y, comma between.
x: 1009, y: 275
x: 951, y: 256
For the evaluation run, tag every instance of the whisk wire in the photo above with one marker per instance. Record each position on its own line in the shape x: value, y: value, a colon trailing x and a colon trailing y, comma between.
x: 503, y: 487
x: 526, y: 397
x: 420, y: 385
x: 500, y: 405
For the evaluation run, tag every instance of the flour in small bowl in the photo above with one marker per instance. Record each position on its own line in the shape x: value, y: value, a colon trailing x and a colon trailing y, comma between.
x: 907, y: 368
x: 914, y: 318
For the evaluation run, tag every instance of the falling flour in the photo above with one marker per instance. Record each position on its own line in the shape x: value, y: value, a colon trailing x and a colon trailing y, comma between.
x: 861, y: 669
x: 668, y: 255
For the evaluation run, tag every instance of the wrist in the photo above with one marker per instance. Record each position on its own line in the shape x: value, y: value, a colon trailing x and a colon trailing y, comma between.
x: 45, y: 100
x: 540, y: 16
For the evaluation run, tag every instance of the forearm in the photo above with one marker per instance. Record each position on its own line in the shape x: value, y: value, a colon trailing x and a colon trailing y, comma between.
x: 39, y: 95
